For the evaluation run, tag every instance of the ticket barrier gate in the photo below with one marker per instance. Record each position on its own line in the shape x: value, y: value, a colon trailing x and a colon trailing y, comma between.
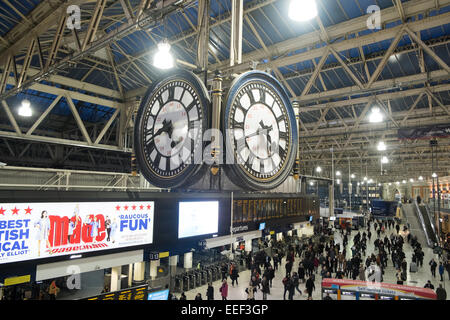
x: 215, y: 272
x: 192, y: 281
x: 209, y: 274
x: 186, y: 280
x: 177, y: 283
x: 198, y: 278
x: 204, y: 277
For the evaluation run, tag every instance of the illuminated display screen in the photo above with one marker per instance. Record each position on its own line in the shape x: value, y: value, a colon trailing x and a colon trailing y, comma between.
x: 159, y: 295
x: 42, y: 230
x: 198, y: 218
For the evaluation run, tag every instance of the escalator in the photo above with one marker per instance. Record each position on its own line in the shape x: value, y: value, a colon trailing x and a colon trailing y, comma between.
x: 415, y: 227
x: 429, y: 226
x: 420, y: 222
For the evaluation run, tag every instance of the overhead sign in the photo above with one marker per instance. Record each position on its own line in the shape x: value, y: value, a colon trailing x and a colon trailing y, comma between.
x: 17, y: 280
x: 42, y: 230
x: 136, y: 293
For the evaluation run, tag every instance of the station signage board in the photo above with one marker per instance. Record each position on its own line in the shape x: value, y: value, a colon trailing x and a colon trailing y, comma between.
x: 44, y: 230
x: 136, y: 293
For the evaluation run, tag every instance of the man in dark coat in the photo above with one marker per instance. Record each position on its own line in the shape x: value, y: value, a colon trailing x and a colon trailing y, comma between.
x: 310, y: 286
x: 441, y: 293
x: 210, y: 292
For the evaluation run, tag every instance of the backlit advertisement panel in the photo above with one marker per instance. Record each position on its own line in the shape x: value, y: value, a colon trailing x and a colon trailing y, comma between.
x: 43, y: 230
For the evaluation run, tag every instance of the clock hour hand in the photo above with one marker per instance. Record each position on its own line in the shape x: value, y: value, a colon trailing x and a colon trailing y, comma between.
x: 167, y: 127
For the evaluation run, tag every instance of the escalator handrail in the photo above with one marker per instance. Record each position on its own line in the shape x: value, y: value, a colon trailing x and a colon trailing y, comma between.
x: 422, y: 222
x: 430, y: 221
x: 429, y: 218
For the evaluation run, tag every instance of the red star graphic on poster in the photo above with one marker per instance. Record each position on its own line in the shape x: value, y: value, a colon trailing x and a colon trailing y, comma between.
x: 15, y: 211
x: 141, y: 207
x: 2, y: 211
x: 28, y: 210
x: 125, y: 207
x: 118, y: 208
x: 134, y: 207
x: 148, y: 207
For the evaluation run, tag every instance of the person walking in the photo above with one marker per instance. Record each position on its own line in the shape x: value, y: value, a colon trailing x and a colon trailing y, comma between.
x: 210, y: 292
x: 441, y: 270
x: 234, y: 274
x: 291, y: 289
x: 441, y: 293
x: 310, y: 287
x: 250, y: 290
x: 224, y: 290
x: 296, y: 282
x: 399, y: 276
x: 223, y: 270
x: 433, y: 266
x: 288, y: 267
x: 286, y: 281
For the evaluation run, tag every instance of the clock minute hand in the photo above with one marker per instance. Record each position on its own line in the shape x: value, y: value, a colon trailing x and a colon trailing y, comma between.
x: 269, y: 139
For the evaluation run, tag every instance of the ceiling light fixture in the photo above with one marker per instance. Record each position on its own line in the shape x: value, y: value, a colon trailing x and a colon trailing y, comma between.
x: 163, y: 58
x: 381, y: 146
x: 376, y: 116
x: 25, y: 109
x: 302, y: 10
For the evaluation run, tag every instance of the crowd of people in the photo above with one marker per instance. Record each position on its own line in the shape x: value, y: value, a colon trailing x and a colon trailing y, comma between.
x: 330, y: 257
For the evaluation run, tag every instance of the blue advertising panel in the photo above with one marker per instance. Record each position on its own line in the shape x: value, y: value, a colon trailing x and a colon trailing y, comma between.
x: 159, y: 295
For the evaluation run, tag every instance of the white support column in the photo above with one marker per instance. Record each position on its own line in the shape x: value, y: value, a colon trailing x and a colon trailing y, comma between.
x: 237, y: 15
x: 130, y: 274
x: 248, y: 245
x: 116, y: 273
x: 188, y: 260
x: 139, y: 271
x: 173, y: 261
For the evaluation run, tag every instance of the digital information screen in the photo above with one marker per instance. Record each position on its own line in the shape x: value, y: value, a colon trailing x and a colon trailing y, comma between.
x: 42, y: 230
x: 136, y: 293
x: 262, y: 226
x: 198, y: 218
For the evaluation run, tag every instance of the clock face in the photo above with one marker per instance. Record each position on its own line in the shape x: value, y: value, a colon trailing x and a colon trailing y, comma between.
x: 260, y: 133
x: 170, y: 132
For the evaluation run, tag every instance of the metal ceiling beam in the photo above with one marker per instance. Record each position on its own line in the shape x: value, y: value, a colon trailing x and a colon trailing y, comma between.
x: 20, y: 35
x: 341, y: 30
x: 395, y: 83
x: 43, y: 115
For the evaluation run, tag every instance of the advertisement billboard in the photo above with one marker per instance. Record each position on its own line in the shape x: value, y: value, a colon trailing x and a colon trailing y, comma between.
x: 44, y: 230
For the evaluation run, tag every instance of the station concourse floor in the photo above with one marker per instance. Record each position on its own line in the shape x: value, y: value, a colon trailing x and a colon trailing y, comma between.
x: 418, y: 279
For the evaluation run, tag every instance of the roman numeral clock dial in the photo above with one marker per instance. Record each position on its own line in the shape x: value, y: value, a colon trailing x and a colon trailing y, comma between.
x: 169, y: 130
x: 261, y: 132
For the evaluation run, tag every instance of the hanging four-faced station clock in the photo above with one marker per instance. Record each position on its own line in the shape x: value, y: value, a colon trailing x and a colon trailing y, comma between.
x: 256, y: 119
